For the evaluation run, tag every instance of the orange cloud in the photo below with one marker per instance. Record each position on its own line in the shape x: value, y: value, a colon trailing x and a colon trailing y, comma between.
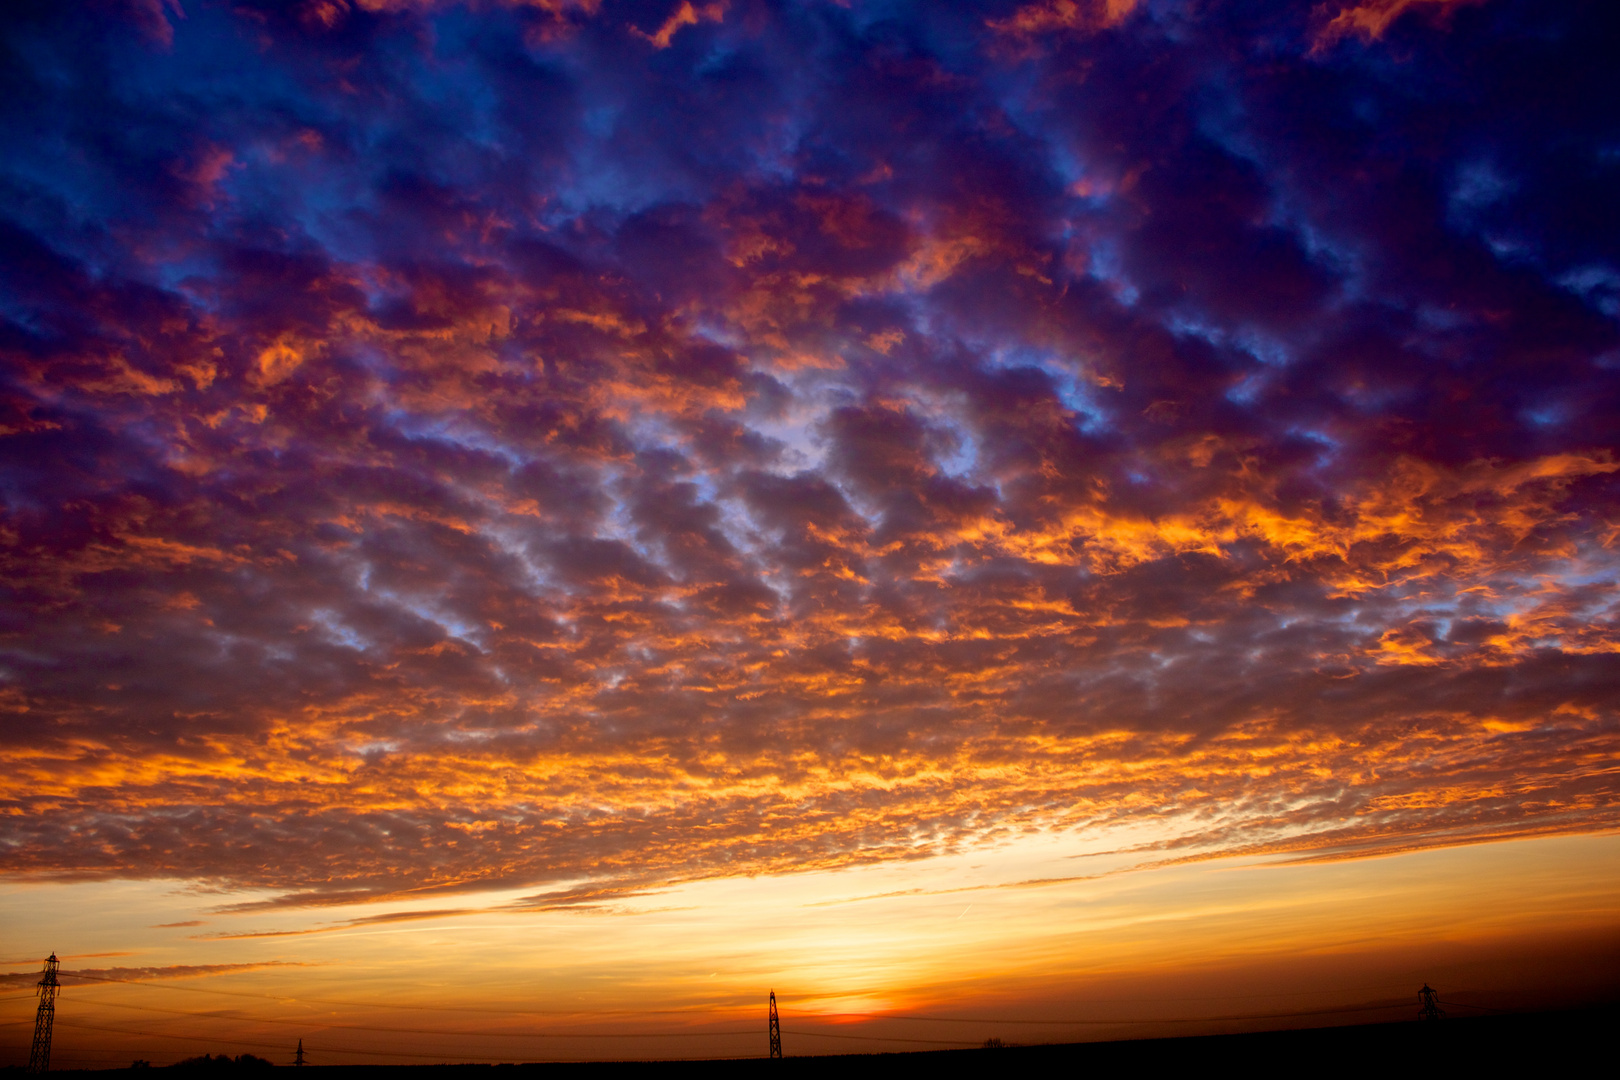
x: 1370, y: 20
x: 684, y: 15
x: 1047, y: 16
x: 543, y: 473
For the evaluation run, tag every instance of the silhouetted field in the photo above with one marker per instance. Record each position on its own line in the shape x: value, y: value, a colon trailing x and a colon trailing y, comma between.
x: 1529, y: 1044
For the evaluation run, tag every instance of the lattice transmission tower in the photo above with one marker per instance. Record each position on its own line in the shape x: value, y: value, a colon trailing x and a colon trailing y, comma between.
x: 776, y: 1029
x: 39, y: 1058
x: 1431, y: 1009
x: 299, y: 1059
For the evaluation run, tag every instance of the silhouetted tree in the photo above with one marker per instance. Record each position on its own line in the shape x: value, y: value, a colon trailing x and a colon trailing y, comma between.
x: 214, y: 1063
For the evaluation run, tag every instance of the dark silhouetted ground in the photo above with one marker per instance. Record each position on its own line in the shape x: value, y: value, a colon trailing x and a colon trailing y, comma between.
x: 1530, y: 1045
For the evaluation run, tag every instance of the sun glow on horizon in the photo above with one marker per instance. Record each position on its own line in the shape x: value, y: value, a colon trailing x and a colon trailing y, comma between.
x: 1079, y: 958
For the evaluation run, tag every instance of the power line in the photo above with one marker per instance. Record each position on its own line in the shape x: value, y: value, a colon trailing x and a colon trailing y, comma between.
x: 798, y: 1033
x: 324, y: 1025
x: 327, y: 1025
x: 156, y: 985
x: 549, y: 1035
x: 318, y: 1049
x: 698, y: 1012
x: 89, y: 1056
x: 255, y: 1043
x: 1144, y: 1020
x: 401, y: 1053
x: 882, y: 1038
x: 63, y: 1054
x: 153, y: 985
x: 311, y: 1022
x: 320, y: 1025
x: 1464, y: 1005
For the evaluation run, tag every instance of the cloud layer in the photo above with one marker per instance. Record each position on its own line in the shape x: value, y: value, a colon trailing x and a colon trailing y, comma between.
x: 445, y: 447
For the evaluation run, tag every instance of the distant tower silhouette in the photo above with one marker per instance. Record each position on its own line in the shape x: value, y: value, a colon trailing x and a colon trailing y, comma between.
x: 1431, y: 1009
x: 299, y: 1060
x: 776, y: 1029
x: 39, y: 1058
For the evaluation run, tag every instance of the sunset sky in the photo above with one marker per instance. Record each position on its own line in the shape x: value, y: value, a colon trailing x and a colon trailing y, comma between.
x: 526, y: 525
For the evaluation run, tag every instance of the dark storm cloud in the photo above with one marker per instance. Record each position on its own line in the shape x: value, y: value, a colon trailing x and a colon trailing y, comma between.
x: 449, y: 446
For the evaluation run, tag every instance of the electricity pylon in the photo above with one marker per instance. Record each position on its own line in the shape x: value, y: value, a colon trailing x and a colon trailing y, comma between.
x: 776, y: 1029
x: 299, y: 1060
x: 1431, y: 1009
x: 39, y: 1058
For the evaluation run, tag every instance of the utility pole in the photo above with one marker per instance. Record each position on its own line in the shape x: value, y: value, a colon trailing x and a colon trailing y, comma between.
x: 299, y: 1060
x: 1431, y: 1009
x: 39, y: 1058
x: 776, y: 1029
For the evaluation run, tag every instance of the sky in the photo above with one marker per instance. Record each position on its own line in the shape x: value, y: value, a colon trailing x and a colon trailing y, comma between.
x: 526, y: 525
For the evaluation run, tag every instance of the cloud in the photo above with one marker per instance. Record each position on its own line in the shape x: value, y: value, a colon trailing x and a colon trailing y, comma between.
x: 684, y: 15
x: 1371, y: 20
x: 140, y: 974
x: 346, y: 924
x: 451, y: 448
